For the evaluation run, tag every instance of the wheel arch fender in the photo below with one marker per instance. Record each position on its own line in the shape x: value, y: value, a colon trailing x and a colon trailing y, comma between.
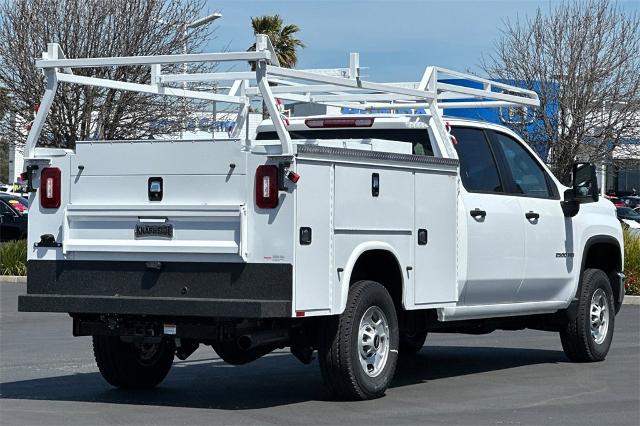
x: 611, y: 265
x: 356, y: 254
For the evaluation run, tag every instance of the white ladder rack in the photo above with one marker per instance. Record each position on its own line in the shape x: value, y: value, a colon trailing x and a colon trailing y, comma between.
x: 342, y: 87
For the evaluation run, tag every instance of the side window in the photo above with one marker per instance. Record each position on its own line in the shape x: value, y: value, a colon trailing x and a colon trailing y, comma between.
x: 477, y: 165
x: 529, y: 177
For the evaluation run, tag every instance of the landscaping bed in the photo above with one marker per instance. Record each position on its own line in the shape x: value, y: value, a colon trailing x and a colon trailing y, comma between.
x: 13, y: 258
x: 632, y: 263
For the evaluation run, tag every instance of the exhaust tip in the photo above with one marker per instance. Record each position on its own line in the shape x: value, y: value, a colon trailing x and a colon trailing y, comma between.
x: 244, y: 342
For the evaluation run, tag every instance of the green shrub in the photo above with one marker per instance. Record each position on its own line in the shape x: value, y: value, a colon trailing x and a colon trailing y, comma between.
x: 632, y: 263
x: 13, y: 258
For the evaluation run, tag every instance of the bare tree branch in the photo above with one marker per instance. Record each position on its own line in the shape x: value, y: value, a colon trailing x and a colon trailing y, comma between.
x: 583, y: 59
x: 93, y: 28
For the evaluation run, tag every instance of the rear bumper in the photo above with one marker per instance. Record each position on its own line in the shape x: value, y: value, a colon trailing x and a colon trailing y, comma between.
x: 217, y: 290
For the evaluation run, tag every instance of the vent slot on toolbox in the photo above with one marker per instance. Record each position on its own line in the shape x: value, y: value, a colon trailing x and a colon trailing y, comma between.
x: 204, y: 229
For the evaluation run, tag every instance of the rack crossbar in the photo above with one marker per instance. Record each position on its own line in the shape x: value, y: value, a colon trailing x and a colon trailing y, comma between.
x: 150, y: 60
x: 340, y: 87
x: 147, y: 88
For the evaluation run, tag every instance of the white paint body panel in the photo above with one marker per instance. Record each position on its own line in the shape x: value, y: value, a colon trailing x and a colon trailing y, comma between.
x: 436, y: 262
x: 495, y: 249
x: 469, y: 269
x: 314, y: 276
x: 546, y: 277
x: 538, y: 283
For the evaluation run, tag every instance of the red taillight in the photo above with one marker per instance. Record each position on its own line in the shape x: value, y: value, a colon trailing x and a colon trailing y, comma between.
x: 50, y: 180
x: 267, y: 187
x: 338, y: 122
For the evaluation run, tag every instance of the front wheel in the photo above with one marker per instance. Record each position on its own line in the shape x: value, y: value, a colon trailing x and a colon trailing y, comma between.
x: 358, y: 350
x: 588, y: 337
x: 132, y: 365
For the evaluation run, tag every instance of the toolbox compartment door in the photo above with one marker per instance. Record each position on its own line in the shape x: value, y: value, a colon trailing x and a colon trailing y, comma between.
x: 194, y: 229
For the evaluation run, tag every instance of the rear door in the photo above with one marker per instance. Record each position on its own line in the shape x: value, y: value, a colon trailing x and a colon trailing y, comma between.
x: 494, y: 229
x: 549, y: 249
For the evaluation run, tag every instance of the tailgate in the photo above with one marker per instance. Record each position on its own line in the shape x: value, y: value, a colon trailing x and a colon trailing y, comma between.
x: 193, y: 229
x: 201, y: 208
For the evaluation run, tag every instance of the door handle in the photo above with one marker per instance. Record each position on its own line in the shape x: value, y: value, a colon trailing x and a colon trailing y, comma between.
x: 532, y: 215
x: 475, y: 213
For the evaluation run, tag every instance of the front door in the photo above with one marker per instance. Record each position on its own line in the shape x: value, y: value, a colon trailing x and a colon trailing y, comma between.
x: 494, y: 229
x: 549, y: 250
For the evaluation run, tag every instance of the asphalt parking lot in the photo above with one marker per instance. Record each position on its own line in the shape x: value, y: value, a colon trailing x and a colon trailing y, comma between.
x: 49, y: 377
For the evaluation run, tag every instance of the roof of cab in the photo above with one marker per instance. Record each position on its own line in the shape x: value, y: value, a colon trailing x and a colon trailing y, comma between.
x: 382, y: 121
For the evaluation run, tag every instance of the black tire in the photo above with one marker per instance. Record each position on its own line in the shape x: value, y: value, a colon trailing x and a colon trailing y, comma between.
x: 128, y: 365
x: 412, y: 342
x: 578, y: 342
x: 339, y: 350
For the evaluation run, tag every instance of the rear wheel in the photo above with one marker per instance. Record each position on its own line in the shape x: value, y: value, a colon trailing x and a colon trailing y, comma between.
x: 131, y: 365
x: 588, y: 337
x: 358, y: 350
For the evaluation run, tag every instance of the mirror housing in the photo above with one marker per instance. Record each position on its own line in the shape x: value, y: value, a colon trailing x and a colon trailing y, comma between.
x: 584, y: 188
x: 585, y: 183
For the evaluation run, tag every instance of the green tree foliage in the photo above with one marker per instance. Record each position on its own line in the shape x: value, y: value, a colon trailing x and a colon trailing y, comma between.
x: 283, y: 38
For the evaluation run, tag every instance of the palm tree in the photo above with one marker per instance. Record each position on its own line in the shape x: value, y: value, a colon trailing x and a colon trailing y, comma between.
x: 282, y: 37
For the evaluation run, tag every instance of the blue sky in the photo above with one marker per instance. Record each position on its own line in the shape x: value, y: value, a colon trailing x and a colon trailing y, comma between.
x: 396, y: 39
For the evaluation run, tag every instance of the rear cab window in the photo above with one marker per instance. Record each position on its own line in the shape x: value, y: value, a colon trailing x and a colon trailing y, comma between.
x: 478, y: 169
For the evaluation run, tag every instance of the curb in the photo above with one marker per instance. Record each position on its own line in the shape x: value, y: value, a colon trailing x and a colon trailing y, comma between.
x: 12, y: 279
x: 631, y: 300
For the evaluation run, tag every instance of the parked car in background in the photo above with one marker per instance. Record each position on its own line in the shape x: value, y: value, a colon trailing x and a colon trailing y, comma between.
x: 627, y: 213
x: 14, y: 212
x: 632, y: 201
x: 628, y: 217
x: 18, y: 189
x: 616, y: 201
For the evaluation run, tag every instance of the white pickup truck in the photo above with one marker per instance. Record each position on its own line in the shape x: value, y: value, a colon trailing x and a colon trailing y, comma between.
x: 350, y: 235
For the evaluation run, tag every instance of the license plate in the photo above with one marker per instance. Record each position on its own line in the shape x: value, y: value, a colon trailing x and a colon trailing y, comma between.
x: 150, y: 231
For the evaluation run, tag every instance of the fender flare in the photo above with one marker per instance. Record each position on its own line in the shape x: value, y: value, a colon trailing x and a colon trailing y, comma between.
x: 572, y: 309
x: 356, y: 253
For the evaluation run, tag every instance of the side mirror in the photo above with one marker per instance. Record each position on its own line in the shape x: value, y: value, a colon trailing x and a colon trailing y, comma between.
x: 584, y: 189
x: 585, y: 183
